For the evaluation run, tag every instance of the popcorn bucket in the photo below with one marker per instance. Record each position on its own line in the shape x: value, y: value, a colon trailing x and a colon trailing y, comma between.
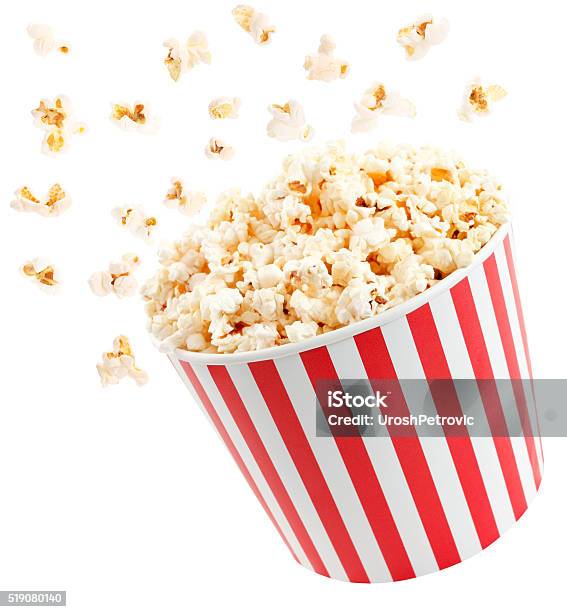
x: 380, y: 509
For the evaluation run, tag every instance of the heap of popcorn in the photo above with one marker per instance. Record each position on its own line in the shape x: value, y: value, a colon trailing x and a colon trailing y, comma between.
x: 336, y: 238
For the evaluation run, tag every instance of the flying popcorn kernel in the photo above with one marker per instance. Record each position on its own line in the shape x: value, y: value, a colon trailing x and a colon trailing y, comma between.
x: 55, y: 118
x: 44, y: 40
x: 119, y: 364
x: 224, y: 108
x: 42, y: 273
x: 378, y: 100
x: 324, y: 66
x: 417, y: 37
x: 182, y: 58
x: 135, y: 221
x: 118, y: 279
x: 255, y: 23
x: 478, y: 100
x: 288, y: 122
x: 219, y: 149
x: 135, y: 117
x: 52, y: 205
x: 187, y: 202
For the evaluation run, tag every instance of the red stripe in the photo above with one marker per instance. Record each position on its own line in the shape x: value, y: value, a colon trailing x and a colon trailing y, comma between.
x: 208, y: 406
x: 379, y: 366
x: 520, y: 312
x: 244, y: 423
x: 435, y: 366
x: 480, y: 361
x: 319, y: 366
x: 499, y: 304
x: 277, y: 400
x: 514, y: 279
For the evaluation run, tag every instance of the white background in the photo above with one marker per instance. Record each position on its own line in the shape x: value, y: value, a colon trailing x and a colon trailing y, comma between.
x: 124, y: 496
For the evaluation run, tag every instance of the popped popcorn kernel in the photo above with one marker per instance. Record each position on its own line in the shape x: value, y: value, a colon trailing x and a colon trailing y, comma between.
x: 119, y: 364
x: 134, y: 117
x: 135, y: 220
x: 219, y: 149
x: 55, y: 118
x: 224, y: 108
x: 378, y: 100
x: 44, y: 40
x: 42, y: 273
x: 255, y: 23
x: 187, y: 202
x: 419, y: 36
x: 288, y: 122
x: 478, y: 99
x: 324, y: 66
x: 334, y: 239
x: 55, y: 203
x: 117, y: 279
x: 181, y: 58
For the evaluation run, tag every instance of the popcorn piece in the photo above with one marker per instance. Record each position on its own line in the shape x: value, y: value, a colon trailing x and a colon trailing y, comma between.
x: 43, y: 273
x: 378, y: 100
x: 55, y: 203
x: 119, y: 364
x: 224, y: 108
x: 298, y: 331
x: 118, y: 279
x: 255, y: 23
x: 324, y: 66
x: 288, y: 122
x: 44, y: 40
x: 182, y: 58
x: 478, y: 99
x: 135, y: 117
x: 334, y: 239
x: 135, y: 221
x: 219, y: 149
x: 189, y: 203
x: 55, y: 118
x: 417, y: 37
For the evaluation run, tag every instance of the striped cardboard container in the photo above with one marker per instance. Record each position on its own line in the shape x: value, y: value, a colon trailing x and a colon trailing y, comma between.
x: 379, y: 509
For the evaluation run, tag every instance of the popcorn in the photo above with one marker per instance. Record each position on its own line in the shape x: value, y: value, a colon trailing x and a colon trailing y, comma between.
x: 378, y: 100
x: 120, y: 363
x: 255, y: 23
x: 478, y: 99
x: 417, y: 37
x: 182, y: 58
x: 44, y: 40
x: 288, y: 122
x: 224, y: 108
x: 133, y: 117
x: 189, y: 203
x: 135, y: 220
x: 55, y: 119
x: 324, y: 66
x: 219, y: 149
x: 334, y: 239
x: 55, y: 203
x: 42, y: 273
x: 118, y: 279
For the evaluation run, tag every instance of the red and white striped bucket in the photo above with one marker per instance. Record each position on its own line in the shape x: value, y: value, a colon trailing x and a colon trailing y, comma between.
x: 380, y: 509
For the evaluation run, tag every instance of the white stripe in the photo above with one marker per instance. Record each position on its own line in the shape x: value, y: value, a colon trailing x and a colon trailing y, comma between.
x: 302, y: 396
x: 348, y: 364
x: 224, y: 415
x: 489, y: 326
x: 514, y: 319
x: 457, y: 356
x: 407, y: 364
x: 271, y: 437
